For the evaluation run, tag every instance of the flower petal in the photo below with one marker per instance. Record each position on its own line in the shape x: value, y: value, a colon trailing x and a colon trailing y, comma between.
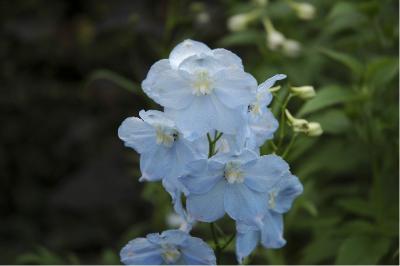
x: 196, y: 251
x: 235, y: 87
x: 199, y: 206
x: 185, y: 49
x: 137, y: 134
x: 140, y: 251
x: 167, y: 86
x: 242, y: 203
x: 287, y: 190
x: 246, y: 242
x: 202, y: 176
x: 227, y: 58
x: 265, y: 173
x: 272, y: 230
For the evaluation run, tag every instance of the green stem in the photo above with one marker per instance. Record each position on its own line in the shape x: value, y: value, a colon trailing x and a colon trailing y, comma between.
x: 226, y: 244
x: 289, y: 146
x: 282, y: 120
x: 216, y: 243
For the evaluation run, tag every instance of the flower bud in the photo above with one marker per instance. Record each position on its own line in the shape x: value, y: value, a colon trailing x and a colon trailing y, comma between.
x: 298, y: 125
x: 304, y: 11
x: 275, y: 39
x: 303, y: 92
x: 314, y: 129
x: 291, y: 48
x: 275, y: 89
x: 239, y: 22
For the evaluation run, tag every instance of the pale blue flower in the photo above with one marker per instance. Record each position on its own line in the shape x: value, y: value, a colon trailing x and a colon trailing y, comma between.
x: 235, y: 184
x: 261, y: 122
x: 164, y: 152
x: 172, y: 247
x: 202, y: 89
x: 267, y: 228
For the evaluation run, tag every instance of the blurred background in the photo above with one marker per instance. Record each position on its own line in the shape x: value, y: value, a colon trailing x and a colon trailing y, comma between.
x: 71, y: 71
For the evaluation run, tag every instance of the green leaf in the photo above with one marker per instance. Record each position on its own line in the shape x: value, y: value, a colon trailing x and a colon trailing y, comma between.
x: 332, y: 121
x: 381, y: 71
x: 119, y: 80
x: 363, y: 249
x: 247, y: 37
x: 350, y: 62
x: 326, y: 97
x: 344, y: 15
x: 356, y: 206
x: 109, y: 257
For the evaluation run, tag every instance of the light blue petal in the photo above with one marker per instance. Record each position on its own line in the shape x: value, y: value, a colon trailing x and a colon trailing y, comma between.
x: 202, y: 176
x: 234, y: 87
x: 199, y: 206
x: 242, y: 203
x: 155, y: 118
x: 196, y: 251
x: 272, y: 230
x: 201, y: 62
x: 156, y: 163
x: 195, y: 120
x: 227, y: 58
x: 140, y: 251
x: 167, y: 86
x: 225, y: 119
x: 137, y: 134
x: 246, y: 242
x: 186, y: 49
x: 271, y: 81
x: 263, y: 128
x: 287, y: 190
x: 265, y: 173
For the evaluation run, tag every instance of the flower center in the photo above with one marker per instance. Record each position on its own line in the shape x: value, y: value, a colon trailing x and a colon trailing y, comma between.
x: 233, y: 173
x: 271, y: 199
x: 255, y: 108
x: 170, y: 254
x: 166, y: 136
x: 202, y: 84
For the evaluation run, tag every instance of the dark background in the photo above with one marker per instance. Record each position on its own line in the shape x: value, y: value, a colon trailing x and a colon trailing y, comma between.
x: 70, y: 72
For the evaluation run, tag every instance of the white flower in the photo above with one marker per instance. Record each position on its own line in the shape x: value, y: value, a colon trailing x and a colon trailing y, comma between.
x: 239, y: 22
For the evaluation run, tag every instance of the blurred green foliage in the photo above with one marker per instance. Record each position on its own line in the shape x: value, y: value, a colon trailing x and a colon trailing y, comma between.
x: 349, y: 212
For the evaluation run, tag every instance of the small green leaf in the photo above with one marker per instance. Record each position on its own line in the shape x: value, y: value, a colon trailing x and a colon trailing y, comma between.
x: 119, y: 80
x: 332, y: 121
x: 381, y: 71
x: 326, y: 97
x: 356, y: 206
x: 247, y: 37
x: 350, y: 62
x: 362, y: 250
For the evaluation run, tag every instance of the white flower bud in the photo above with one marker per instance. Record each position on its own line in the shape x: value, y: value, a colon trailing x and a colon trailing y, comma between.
x: 298, y: 125
x: 275, y: 89
x: 291, y: 48
x: 314, y: 129
x: 304, y: 11
x: 239, y: 22
x: 275, y: 39
x: 303, y: 92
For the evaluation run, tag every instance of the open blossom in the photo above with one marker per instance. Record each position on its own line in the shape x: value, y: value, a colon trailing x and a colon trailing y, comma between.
x: 164, y: 152
x: 202, y: 89
x: 236, y: 184
x: 268, y: 227
x: 172, y: 247
x: 261, y: 122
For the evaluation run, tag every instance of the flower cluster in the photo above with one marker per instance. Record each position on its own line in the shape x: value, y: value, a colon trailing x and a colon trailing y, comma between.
x: 205, y: 146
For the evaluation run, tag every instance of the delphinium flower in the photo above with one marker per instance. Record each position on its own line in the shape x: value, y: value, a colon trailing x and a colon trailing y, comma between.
x: 206, y: 146
x: 172, y: 247
x: 164, y: 152
x: 202, y: 89
x: 267, y: 228
x: 236, y: 184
